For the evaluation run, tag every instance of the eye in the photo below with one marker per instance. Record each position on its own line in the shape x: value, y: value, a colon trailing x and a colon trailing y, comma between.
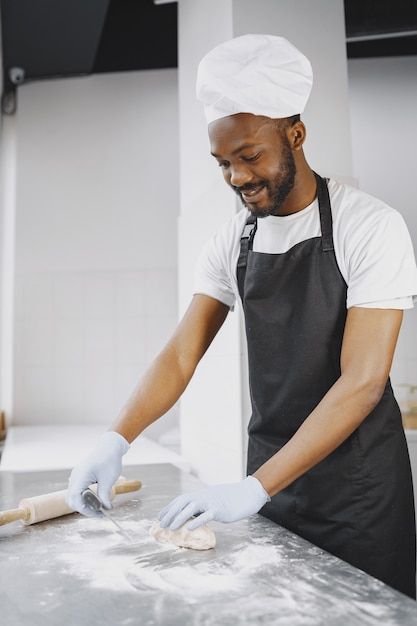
x: 223, y: 164
x: 254, y: 157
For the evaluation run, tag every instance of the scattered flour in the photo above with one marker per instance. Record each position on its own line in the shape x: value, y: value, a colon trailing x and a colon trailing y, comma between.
x: 236, y: 573
x: 230, y: 572
x: 106, y: 561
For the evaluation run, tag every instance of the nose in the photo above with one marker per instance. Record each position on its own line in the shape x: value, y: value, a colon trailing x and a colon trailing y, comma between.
x: 240, y: 176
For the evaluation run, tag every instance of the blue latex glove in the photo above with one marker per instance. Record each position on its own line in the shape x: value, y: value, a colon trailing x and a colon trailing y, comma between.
x: 224, y: 503
x: 103, y: 466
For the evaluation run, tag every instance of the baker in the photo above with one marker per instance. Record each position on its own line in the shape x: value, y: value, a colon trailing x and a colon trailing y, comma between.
x: 324, y: 273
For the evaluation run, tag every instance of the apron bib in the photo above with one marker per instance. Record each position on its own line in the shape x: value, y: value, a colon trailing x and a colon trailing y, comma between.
x: 358, y: 502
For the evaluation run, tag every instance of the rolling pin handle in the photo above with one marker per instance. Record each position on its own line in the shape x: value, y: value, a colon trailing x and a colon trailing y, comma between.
x: 127, y: 486
x: 13, y: 515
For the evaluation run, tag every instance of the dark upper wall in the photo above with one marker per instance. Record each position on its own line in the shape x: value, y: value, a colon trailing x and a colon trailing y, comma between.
x: 371, y: 24
x: 47, y: 38
x: 51, y: 38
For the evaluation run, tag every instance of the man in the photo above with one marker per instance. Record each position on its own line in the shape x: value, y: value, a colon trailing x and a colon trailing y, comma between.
x: 324, y: 273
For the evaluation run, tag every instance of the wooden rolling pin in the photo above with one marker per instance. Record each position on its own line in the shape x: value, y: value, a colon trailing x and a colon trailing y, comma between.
x: 50, y: 505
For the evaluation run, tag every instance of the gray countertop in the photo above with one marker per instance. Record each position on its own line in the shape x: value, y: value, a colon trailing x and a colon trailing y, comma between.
x: 75, y: 571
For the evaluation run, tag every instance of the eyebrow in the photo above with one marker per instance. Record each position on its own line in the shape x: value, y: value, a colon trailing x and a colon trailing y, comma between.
x: 239, y: 149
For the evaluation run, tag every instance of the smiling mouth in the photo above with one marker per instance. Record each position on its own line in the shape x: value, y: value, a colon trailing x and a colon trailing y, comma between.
x: 253, y: 195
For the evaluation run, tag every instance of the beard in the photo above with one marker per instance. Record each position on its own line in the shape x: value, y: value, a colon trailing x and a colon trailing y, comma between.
x: 278, y: 189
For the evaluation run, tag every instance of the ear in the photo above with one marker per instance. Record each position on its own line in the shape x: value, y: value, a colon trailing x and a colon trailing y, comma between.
x: 296, y: 135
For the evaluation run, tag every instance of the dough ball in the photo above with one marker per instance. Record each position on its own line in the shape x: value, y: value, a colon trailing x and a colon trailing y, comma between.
x: 202, y: 538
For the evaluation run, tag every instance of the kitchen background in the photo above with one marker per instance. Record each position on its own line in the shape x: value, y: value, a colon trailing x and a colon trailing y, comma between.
x: 108, y: 193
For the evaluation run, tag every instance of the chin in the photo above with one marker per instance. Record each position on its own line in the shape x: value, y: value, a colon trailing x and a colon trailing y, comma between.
x: 260, y: 214
x: 258, y: 211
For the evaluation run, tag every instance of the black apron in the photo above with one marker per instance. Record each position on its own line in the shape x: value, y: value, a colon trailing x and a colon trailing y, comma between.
x: 358, y: 502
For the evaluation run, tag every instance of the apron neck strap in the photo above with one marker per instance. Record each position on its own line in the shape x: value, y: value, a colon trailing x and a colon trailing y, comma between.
x: 246, y: 242
x: 325, y: 211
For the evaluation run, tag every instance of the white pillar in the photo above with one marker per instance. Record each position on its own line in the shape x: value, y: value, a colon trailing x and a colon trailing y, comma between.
x: 211, y: 411
x: 215, y: 407
x: 7, y: 240
x: 7, y: 263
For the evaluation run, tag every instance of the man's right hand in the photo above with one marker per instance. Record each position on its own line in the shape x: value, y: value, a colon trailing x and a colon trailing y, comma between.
x: 103, y: 466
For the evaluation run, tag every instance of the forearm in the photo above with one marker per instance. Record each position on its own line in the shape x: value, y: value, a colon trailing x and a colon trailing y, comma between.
x: 338, y: 414
x: 156, y: 392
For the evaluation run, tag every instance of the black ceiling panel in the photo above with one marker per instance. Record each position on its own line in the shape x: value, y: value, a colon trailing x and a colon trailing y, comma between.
x: 138, y: 35
x: 51, y: 37
x: 381, y: 28
x: 371, y: 17
x: 391, y: 47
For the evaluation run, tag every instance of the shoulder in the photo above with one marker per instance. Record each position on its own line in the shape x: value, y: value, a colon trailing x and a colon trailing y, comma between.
x: 352, y: 206
x: 225, y: 239
x: 218, y: 253
x: 232, y: 229
x: 373, y: 247
x: 214, y: 271
x: 360, y: 217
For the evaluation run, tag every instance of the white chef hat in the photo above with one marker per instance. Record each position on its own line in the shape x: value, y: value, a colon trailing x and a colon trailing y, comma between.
x: 259, y: 74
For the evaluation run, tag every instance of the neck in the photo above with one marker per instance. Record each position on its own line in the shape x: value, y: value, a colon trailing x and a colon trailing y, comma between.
x: 304, y: 191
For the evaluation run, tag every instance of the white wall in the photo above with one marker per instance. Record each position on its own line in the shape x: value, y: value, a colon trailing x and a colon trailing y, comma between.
x: 383, y: 108
x: 96, y: 242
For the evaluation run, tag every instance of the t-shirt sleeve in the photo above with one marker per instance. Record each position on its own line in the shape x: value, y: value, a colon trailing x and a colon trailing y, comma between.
x: 381, y: 261
x: 395, y: 303
x: 211, y: 273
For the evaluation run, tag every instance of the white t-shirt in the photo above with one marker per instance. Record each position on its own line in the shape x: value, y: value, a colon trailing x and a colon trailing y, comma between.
x: 372, y: 245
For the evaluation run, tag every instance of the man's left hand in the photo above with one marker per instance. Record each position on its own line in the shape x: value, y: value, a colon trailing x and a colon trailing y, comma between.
x: 223, y: 503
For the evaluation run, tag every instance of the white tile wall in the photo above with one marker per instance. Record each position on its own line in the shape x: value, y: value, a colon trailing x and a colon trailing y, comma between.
x: 99, y: 338
x: 99, y: 293
x: 68, y: 295
x: 69, y: 341
x: 38, y: 292
x: 84, y: 339
x: 68, y: 397
x: 162, y: 285
x: 131, y: 290
x: 33, y: 393
x: 131, y: 340
x: 96, y: 242
x: 158, y: 330
x: 126, y: 378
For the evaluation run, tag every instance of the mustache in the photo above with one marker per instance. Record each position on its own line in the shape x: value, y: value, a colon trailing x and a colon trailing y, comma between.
x: 248, y: 187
